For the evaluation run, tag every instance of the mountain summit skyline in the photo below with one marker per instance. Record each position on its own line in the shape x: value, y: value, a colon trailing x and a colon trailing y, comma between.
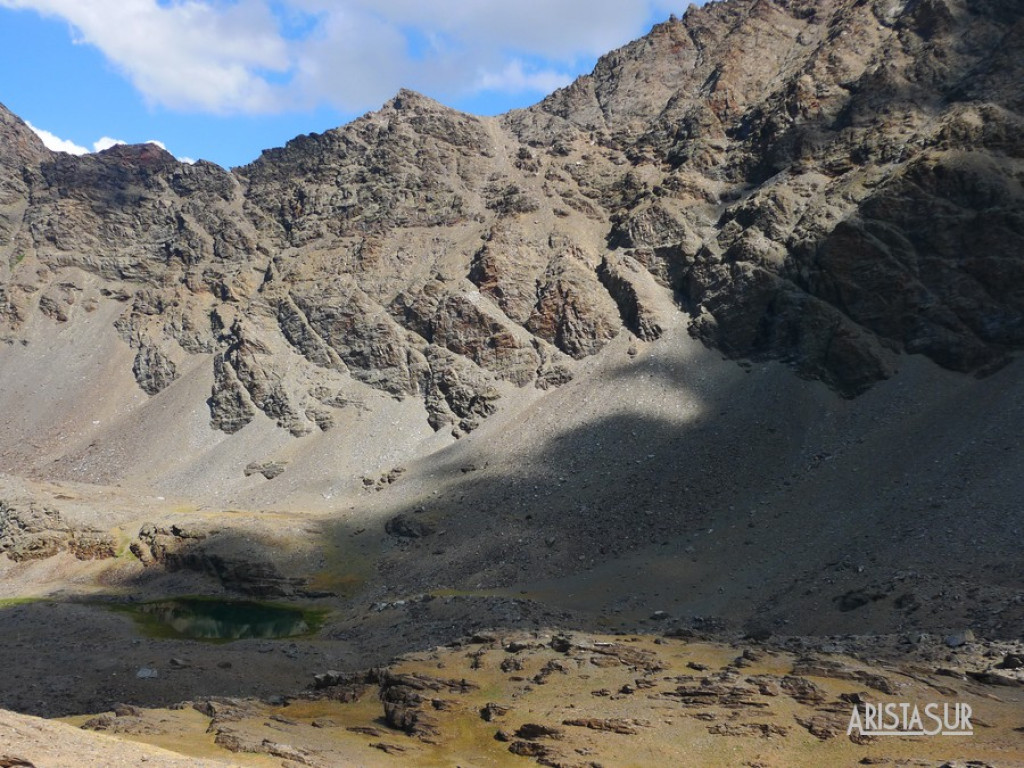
x: 221, y: 81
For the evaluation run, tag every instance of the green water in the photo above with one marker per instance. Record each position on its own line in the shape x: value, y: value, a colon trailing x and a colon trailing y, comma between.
x: 221, y: 620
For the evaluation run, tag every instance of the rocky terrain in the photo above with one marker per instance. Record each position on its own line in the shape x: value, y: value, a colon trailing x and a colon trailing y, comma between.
x: 557, y: 699
x: 726, y: 330
x: 851, y: 194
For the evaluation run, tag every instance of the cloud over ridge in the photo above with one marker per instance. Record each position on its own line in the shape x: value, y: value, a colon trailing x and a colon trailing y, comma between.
x: 271, y: 56
x: 56, y: 144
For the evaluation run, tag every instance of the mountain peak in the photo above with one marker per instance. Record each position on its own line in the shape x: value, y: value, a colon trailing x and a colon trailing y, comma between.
x: 408, y: 100
x: 19, y: 144
x: 761, y: 191
x: 140, y: 154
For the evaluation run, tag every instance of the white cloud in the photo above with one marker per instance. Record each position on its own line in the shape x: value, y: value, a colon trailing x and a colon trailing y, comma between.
x: 254, y: 56
x: 514, y: 78
x: 184, y: 54
x: 557, y: 29
x: 362, y: 51
x: 55, y: 143
x: 105, y: 143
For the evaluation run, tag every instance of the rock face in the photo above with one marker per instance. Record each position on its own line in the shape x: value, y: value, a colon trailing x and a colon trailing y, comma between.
x: 816, y: 182
x: 406, y: 697
x: 826, y: 199
x: 30, y: 531
x: 184, y: 549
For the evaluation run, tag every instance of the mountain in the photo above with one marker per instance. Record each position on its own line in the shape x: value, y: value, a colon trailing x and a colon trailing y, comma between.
x: 787, y: 199
x: 727, y: 328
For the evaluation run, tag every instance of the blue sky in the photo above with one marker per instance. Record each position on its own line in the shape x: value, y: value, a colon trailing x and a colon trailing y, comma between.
x: 223, y: 79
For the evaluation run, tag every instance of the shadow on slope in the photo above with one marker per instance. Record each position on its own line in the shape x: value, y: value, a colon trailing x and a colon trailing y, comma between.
x: 753, y: 501
x: 765, y: 501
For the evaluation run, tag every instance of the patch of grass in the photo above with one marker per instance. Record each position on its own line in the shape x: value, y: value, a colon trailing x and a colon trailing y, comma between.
x: 122, y: 549
x: 346, y: 567
x: 10, y: 602
x: 342, y: 584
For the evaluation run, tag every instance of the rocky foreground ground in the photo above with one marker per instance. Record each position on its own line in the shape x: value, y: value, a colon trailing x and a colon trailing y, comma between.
x: 580, y: 700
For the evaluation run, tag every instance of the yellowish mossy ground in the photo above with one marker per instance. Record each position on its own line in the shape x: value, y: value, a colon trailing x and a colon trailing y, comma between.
x: 640, y: 682
x: 8, y: 602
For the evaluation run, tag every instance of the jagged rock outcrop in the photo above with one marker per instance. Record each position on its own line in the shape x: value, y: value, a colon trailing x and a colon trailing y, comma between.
x: 548, y: 288
x: 831, y: 184
x: 31, y: 531
x: 454, y: 321
x: 633, y: 289
x: 406, y: 696
x: 269, y: 469
x: 153, y: 369
x: 177, y: 548
x: 824, y: 200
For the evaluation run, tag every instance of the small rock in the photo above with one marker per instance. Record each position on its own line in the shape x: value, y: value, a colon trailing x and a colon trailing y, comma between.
x: 1011, y: 661
x: 367, y: 730
x: 961, y: 638
x: 758, y: 634
x: 388, y: 749
x: 404, y: 526
x: 991, y: 678
x: 561, y: 643
x: 269, y: 469
x: 533, y: 731
x: 491, y: 710
x: 515, y: 646
x: 147, y: 673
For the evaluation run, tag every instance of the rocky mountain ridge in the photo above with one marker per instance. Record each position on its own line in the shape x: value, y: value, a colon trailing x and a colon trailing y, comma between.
x: 831, y: 184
